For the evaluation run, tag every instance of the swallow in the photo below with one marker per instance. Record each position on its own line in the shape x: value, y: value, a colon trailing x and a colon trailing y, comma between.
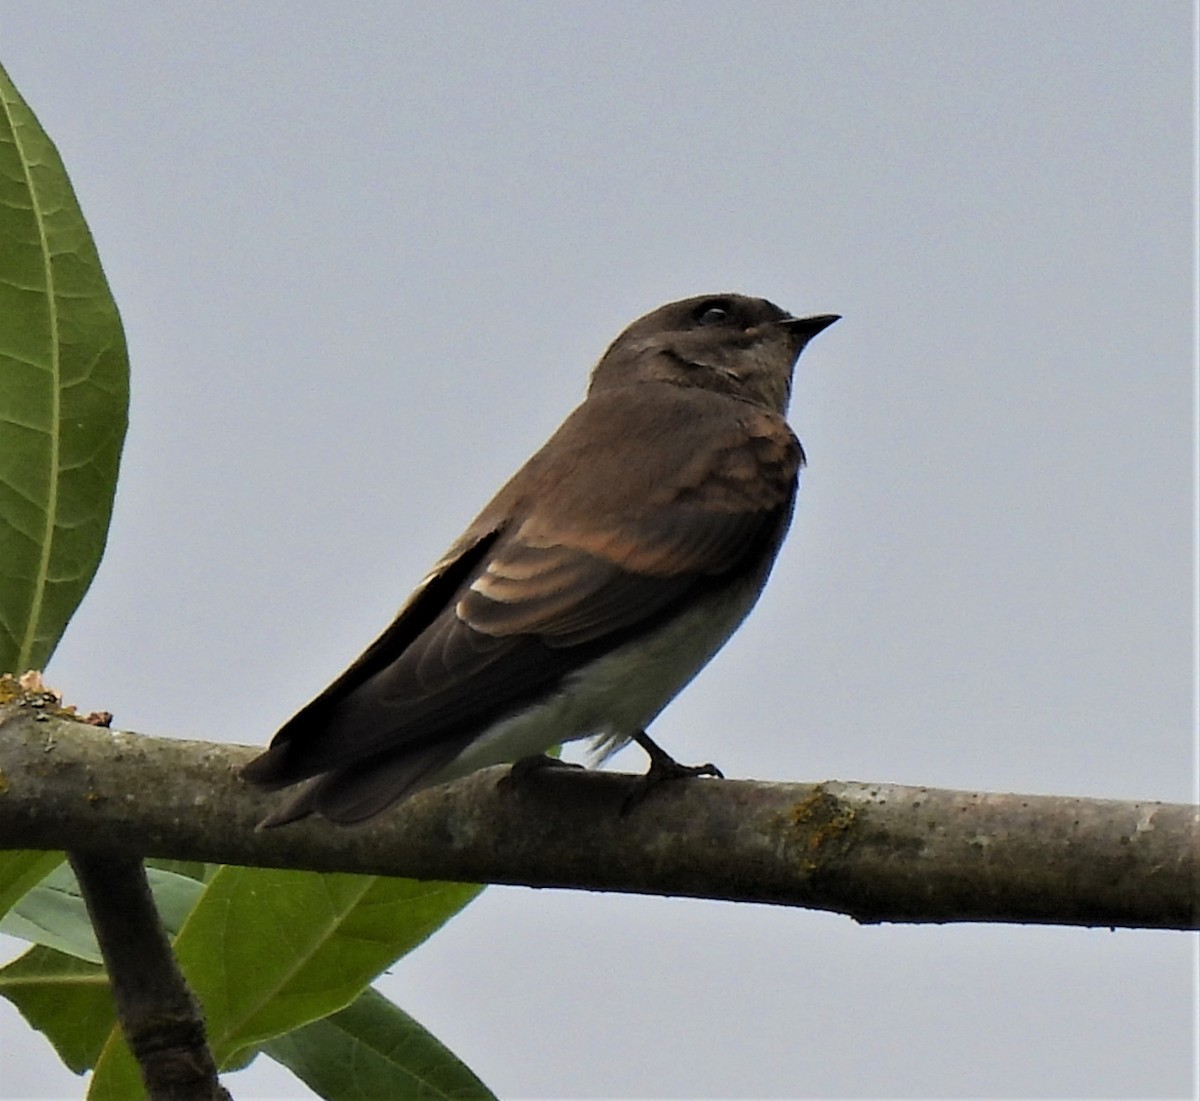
x: 593, y: 587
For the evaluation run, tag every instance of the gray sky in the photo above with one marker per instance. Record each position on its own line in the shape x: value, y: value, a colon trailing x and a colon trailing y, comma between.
x: 366, y: 255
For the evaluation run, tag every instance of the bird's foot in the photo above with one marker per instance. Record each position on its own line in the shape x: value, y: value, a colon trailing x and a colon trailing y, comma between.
x: 662, y: 767
x: 525, y: 767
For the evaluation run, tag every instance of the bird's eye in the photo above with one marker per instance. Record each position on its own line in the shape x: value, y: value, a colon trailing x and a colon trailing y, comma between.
x: 712, y: 313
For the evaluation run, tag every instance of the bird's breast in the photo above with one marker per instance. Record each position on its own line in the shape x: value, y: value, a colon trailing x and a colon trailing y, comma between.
x: 619, y: 693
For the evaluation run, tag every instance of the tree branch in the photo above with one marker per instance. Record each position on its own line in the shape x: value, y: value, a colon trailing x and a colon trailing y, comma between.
x: 877, y: 852
x: 159, y: 1016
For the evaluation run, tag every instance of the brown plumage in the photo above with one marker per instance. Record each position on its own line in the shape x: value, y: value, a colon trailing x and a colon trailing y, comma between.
x: 600, y: 578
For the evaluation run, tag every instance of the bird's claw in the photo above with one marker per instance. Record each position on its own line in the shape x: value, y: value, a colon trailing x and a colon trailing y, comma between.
x: 663, y: 767
x: 525, y: 767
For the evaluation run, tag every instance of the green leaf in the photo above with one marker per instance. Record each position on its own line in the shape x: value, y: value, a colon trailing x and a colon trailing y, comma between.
x: 64, y: 993
x: 54, y: 913
x: 297, y: 946
x: 372, y: 1049
x: 20, y: 872
x: 193, y: 869
x: 64, y: 393
x: 64, y: 997
x: 268, y: 951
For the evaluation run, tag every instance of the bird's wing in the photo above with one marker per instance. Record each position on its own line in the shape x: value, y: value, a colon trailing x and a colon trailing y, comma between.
x: 566, y: 567
x: 278, y: 766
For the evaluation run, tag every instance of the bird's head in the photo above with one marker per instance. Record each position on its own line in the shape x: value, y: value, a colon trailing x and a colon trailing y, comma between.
x: 729, y: 343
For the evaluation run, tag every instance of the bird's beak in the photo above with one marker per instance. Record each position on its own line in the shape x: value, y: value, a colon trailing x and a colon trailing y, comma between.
x: 808, y: 327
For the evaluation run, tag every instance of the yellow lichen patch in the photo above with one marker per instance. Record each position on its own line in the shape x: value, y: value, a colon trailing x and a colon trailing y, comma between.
x: 29, y: 690
x: 10, y: 689
x: 822, y: 818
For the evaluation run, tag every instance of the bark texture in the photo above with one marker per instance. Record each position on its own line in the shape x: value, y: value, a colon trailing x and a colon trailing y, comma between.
x: 877, y: 852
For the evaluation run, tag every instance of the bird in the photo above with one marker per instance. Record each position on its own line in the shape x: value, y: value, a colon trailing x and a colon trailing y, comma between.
x: 592, y: 588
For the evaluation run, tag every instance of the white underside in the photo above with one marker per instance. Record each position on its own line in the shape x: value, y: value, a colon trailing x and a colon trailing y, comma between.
x: 615, y: 696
